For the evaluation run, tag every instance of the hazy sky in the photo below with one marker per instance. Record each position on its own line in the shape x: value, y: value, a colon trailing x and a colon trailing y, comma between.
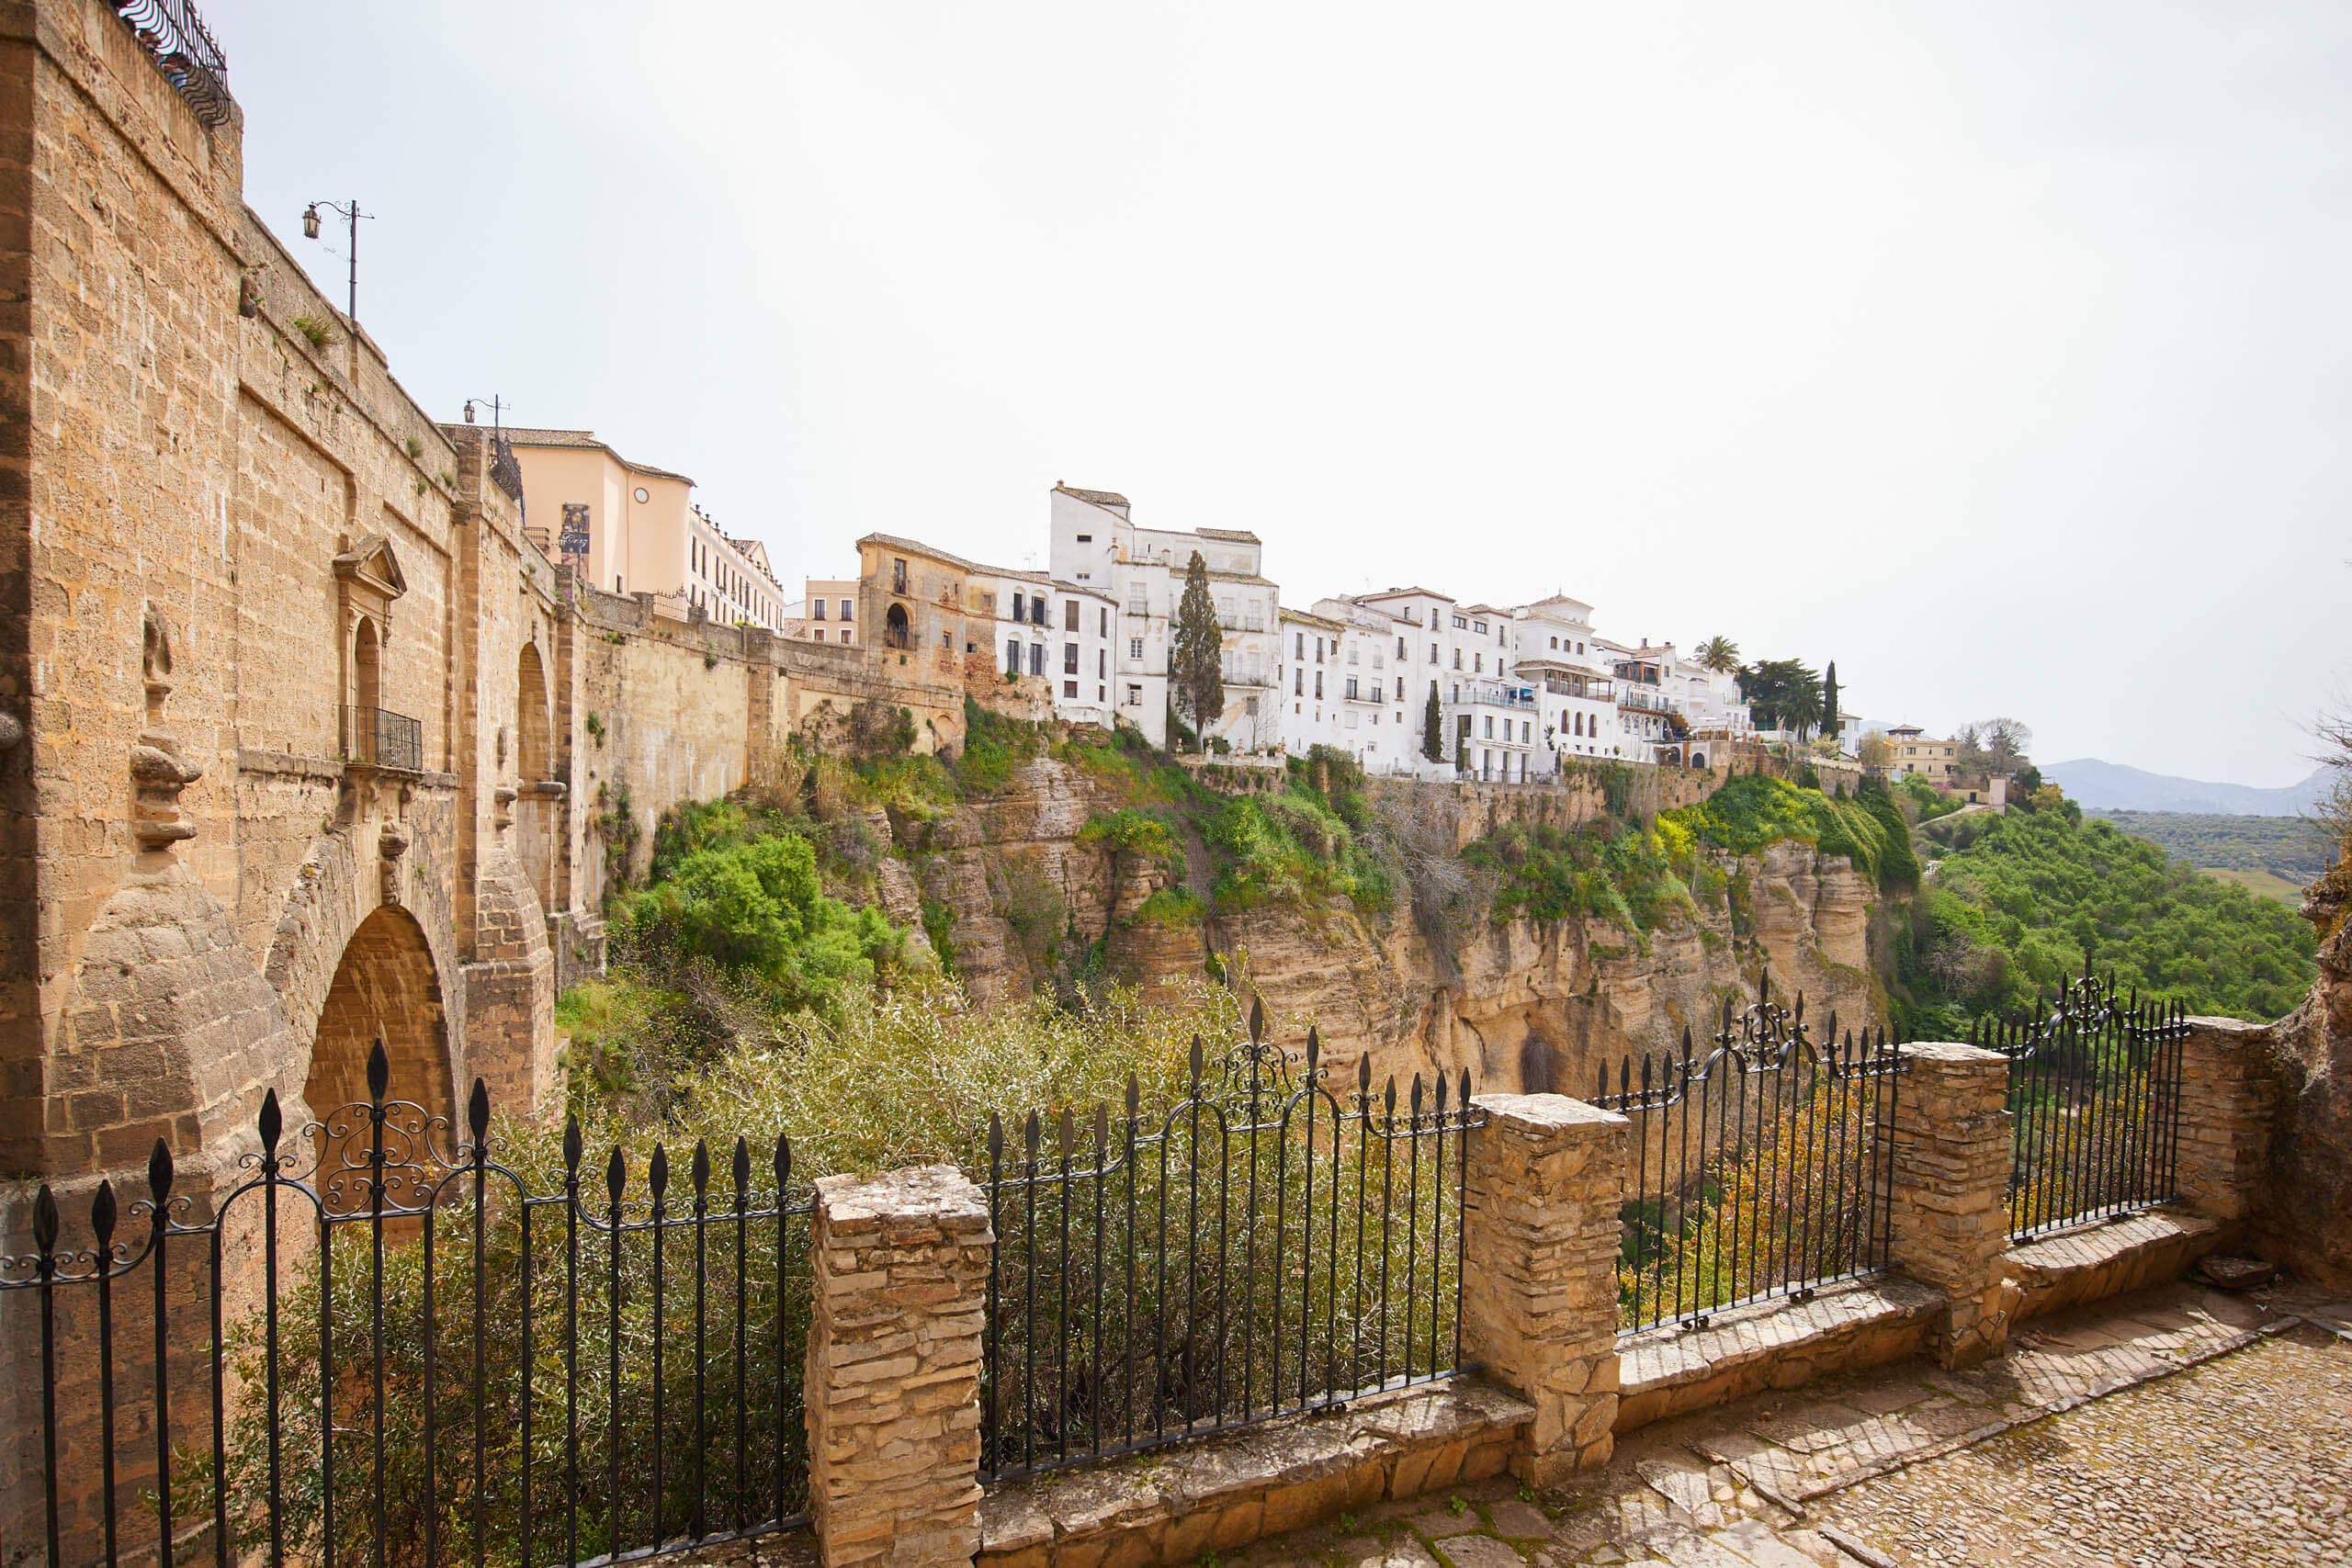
x: 2001, y: 354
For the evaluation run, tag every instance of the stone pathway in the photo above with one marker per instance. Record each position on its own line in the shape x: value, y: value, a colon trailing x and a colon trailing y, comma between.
x: 2238, y: 1460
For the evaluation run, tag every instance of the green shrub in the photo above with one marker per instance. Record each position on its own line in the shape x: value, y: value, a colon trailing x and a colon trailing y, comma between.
x: 753, y: 909
x: 2014, y: 912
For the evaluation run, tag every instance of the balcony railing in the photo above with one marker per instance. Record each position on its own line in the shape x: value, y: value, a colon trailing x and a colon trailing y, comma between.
x: 379, y: 738
x: 175, y: 38
x: 1648, y: 697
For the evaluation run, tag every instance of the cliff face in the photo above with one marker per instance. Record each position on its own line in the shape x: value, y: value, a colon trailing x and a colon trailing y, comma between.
x: 1522, y: 1004
x: 2308, y: 1220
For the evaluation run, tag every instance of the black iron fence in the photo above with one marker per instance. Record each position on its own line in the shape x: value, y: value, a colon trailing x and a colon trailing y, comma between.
x: 175, y: 39
x: 384, y: 1345
x: 1264, y: 1246
x: 382, y: 738
x: 2094, y: 1087
x: 1758, y: 1170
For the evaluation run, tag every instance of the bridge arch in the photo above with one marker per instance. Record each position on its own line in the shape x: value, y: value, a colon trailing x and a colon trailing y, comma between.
x: 386, y: 987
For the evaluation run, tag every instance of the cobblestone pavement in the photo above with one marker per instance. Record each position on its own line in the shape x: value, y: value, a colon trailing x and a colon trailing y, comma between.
x: 2246, y: 1459
x: 2088, y: 1444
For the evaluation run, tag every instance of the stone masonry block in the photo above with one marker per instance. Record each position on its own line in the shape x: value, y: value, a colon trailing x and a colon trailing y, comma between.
x: 900, y: 1265
x: 1538, y: 1300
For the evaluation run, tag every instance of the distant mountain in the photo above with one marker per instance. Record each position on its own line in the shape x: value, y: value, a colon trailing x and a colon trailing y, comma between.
x: 2111, y: 786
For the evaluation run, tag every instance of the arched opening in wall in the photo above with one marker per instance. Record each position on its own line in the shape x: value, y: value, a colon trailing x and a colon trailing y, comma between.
x: 532, y: 761
x: 367, y: 666
x: 538, y: 814
x: 1698, y: 762
x: 384, y: 989
x: 895, y: 630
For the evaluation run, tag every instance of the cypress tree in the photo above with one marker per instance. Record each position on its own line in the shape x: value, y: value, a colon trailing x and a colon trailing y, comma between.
x: 1196, y: 654
x: 1433, y: 728
x: 1829, y: 702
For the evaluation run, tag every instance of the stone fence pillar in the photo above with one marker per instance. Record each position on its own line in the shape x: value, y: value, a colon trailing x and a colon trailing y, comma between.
x: 893, y: 1392
x: 1948, y: 1202
x: 2229, y: 1096
x: 1541, y: 1199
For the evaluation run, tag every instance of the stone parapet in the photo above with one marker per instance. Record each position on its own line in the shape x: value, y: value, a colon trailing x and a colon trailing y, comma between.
x: 1541, y: 1201
x: 900, y: 1267
x: 1947, y: 1198
x: 2229, y: 1099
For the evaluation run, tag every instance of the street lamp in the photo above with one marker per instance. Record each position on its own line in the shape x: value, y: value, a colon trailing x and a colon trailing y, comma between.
x: 349, y: 212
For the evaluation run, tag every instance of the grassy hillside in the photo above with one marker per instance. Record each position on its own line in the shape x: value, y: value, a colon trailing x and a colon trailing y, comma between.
x: 2017, y: 902
x: 2288, y: 848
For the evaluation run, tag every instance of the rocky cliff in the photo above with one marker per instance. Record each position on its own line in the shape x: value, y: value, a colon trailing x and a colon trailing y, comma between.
x: 1427, y: 985
x: 2307, y: 1222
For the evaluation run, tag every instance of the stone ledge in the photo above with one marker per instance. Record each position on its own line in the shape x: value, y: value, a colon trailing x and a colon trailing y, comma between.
x: 1171, y: 1505
x: 2109, y: 1258
x: 1672, y: 1371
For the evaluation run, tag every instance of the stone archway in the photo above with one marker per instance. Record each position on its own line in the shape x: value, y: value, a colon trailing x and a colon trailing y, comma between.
x: 386, y: 988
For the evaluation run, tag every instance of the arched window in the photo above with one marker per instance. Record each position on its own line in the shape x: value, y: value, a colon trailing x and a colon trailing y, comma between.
x: 895, y: 631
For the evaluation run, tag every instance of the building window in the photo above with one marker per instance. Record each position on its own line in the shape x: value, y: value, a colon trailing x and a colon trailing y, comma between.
x: 821, y: 608
x: 1478, y: 663
x: 1298, y: 645
x: 1037, y: 659
x: 1101, y: 662
x: 1432, y: 653
x: 846, y: 613
x: 820, y: 635
x: 1011, y: 654
x: 1298, y: 682
x: 1037, y: 610
x: 1070, y: 615
x: 1318, y: 685
x: 1069, y: 688
x: 1069, y: 660
x: 1135, y: 647
x: 897, y: 576
x: 1135, y: 695
x: 1104, y: 631
x: 1457, y: 659
x: 1250, y: 707
x: 1375, y: 695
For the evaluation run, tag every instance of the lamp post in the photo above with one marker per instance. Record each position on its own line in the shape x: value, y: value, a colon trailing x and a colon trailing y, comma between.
x: 349, y: 212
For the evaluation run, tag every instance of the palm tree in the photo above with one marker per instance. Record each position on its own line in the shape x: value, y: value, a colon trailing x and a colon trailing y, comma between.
x: 1799, y: 708
x: 1719, y: 654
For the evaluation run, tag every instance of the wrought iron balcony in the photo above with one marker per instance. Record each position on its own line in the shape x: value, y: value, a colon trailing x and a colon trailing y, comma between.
x: 379, y: 738
x: 175, y: 38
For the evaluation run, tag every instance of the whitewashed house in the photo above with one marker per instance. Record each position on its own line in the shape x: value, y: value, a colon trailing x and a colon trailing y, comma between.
x: 1551, y: 653
x: 1058, y: 633
x: 1097, y: 547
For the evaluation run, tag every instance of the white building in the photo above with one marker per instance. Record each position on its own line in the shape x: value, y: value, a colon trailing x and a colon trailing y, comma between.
x: 1552, y: 652
x: 1059, y: 633
x: 1463, y: 652
x: 1097, y: 547
x: 1373, y: 720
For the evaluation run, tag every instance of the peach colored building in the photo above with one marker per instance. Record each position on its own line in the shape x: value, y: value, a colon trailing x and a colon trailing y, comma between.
x: 628, y: 527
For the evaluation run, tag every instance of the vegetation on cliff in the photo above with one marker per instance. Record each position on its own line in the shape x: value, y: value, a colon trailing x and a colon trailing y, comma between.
x: 1617, y: 869
x: 1315, y: 839
x: 2020, y: 899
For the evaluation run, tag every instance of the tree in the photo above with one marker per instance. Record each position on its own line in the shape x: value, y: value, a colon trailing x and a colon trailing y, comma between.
x: 2333, y: 812
x: 1433, y: 728
x: 1798, y: 706
x: 1720, y: 654
x: 1197, y: 654
x: 1993, y: 746
x: 1783, y: 693
x: 1873, y: 750
x: 1829, y: 702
